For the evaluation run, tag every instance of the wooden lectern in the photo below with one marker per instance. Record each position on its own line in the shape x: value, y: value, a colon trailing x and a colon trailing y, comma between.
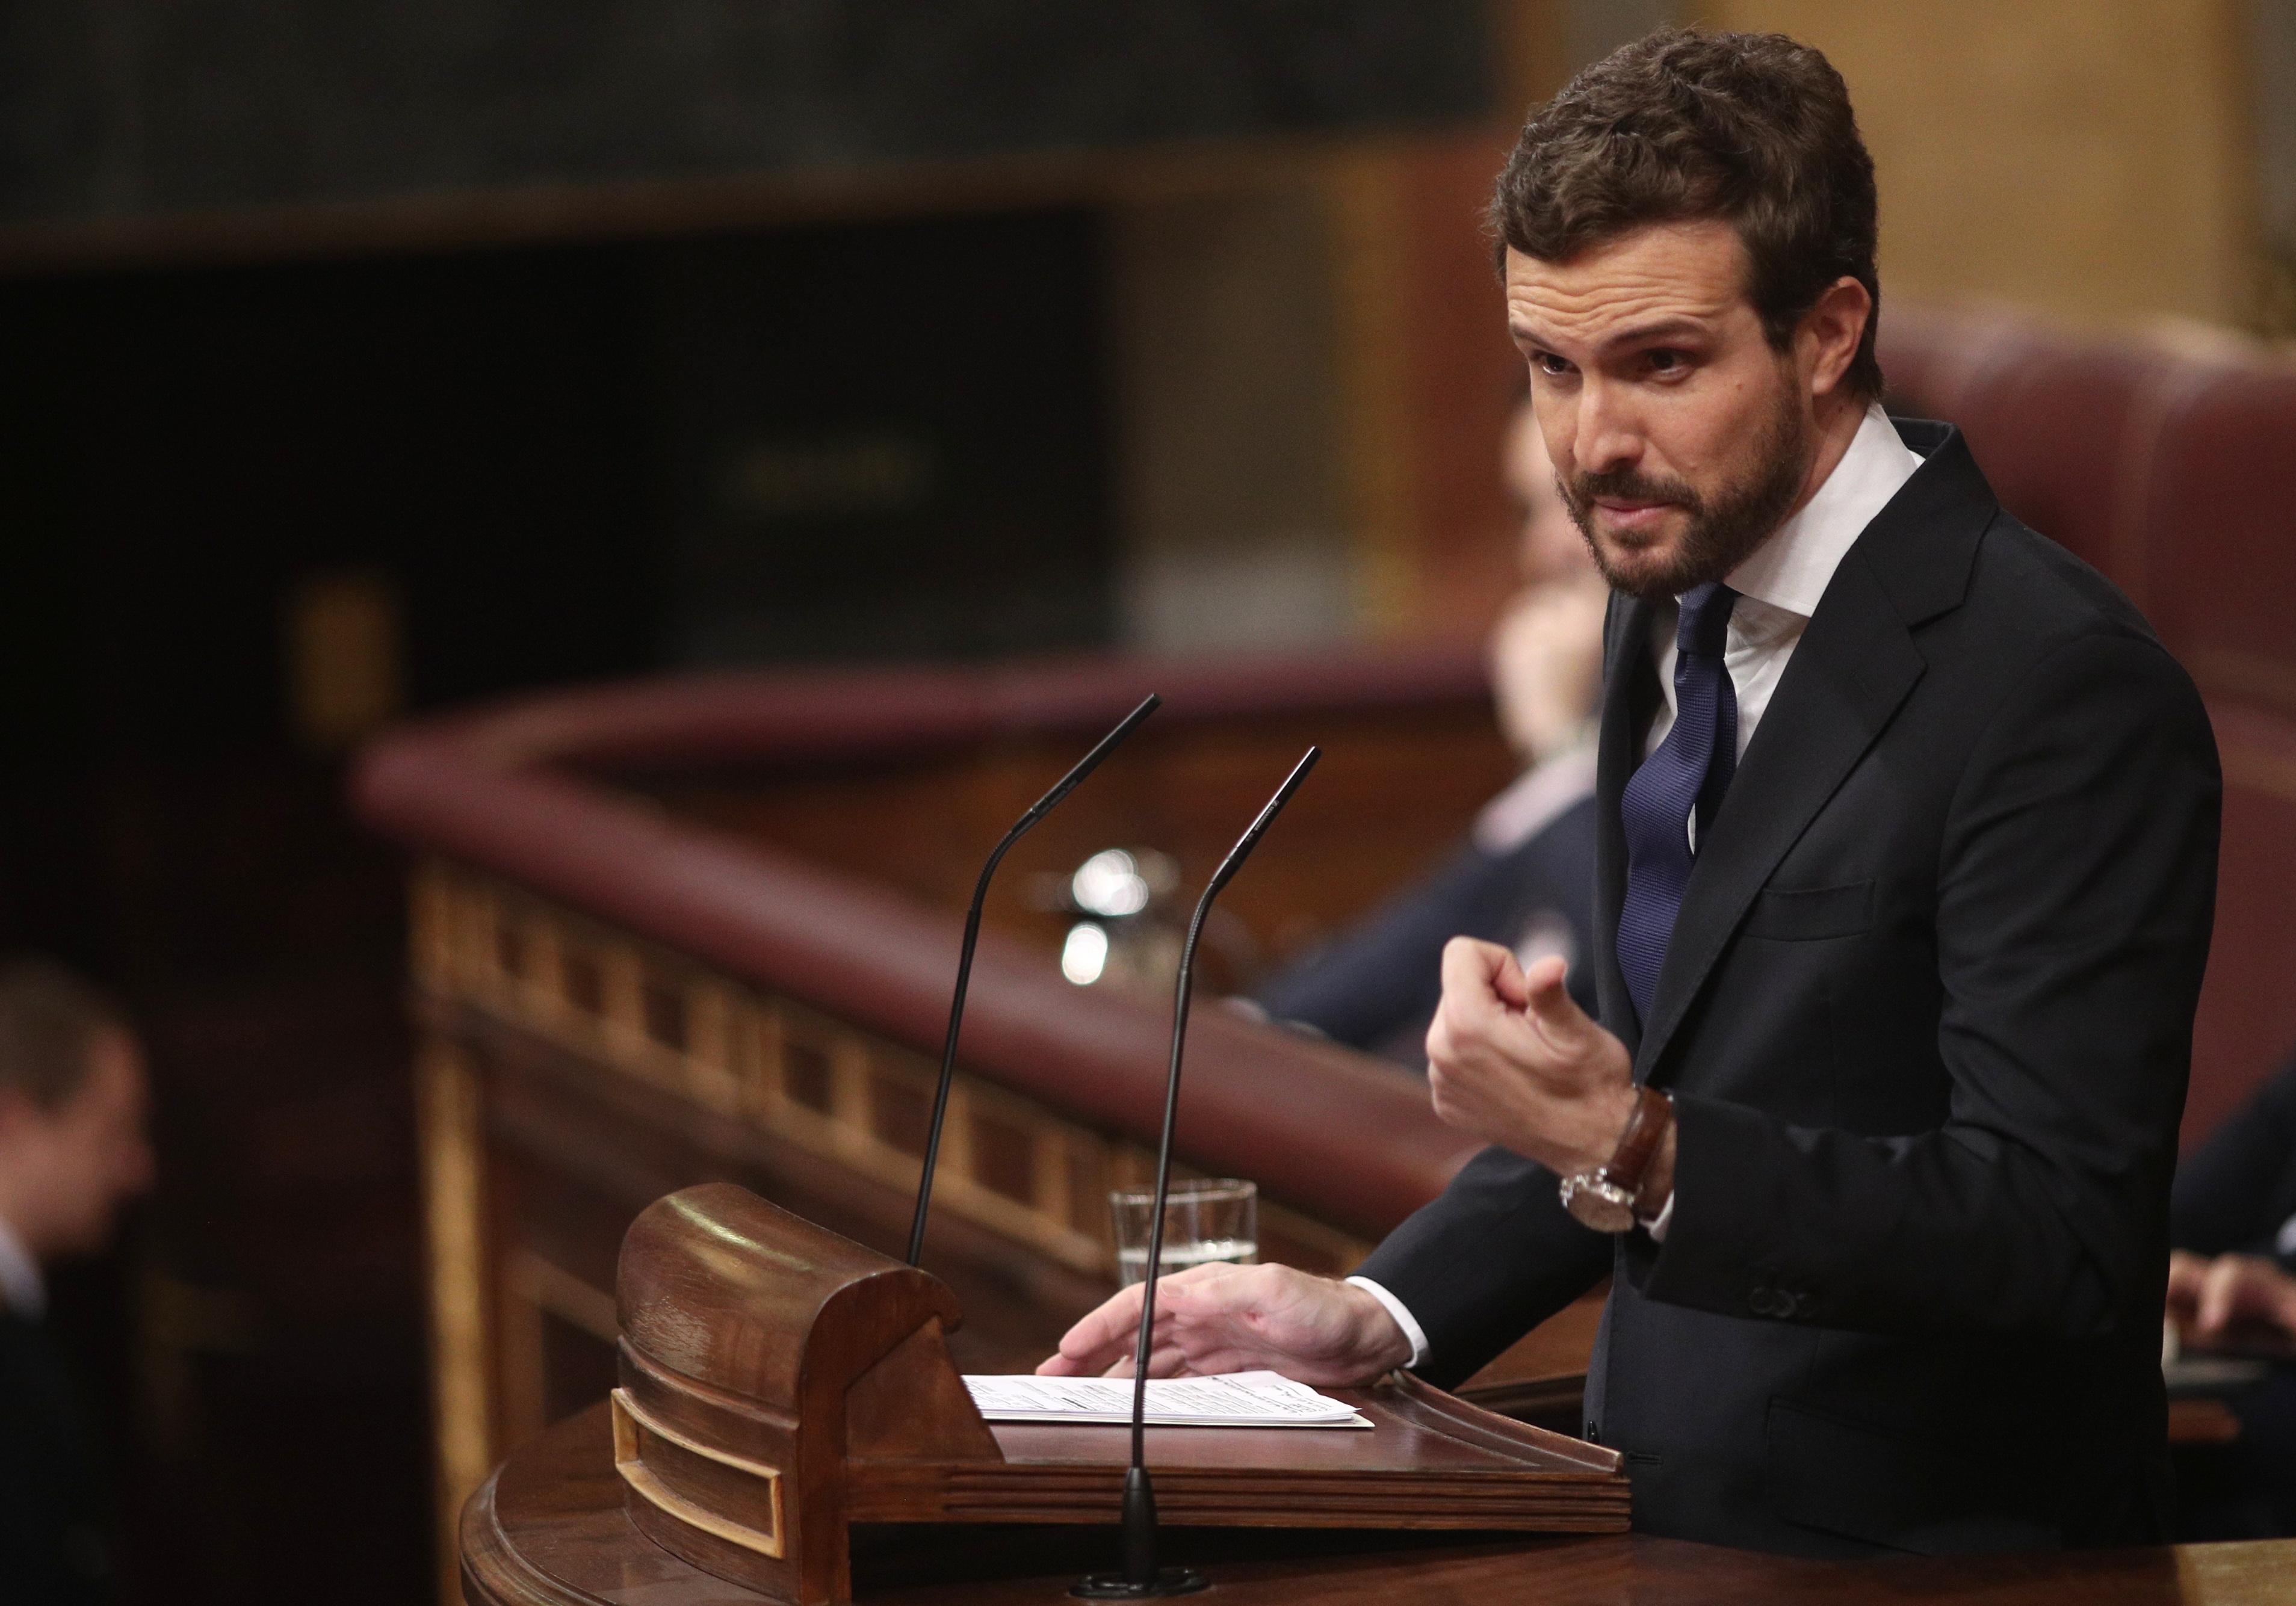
x: 780, y: 1383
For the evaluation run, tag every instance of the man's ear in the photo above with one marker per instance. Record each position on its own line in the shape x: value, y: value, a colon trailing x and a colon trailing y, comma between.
x: 1828, y: 337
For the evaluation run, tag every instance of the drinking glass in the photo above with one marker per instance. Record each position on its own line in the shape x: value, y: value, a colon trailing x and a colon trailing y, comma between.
x: 1215, y: 1219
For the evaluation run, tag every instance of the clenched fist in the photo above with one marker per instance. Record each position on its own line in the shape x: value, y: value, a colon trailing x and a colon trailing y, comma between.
x: 1512, y: 1060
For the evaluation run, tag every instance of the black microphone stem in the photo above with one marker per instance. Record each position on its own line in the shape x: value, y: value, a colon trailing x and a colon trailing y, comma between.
x: 1140, y: 1501
x: 1036, y: 811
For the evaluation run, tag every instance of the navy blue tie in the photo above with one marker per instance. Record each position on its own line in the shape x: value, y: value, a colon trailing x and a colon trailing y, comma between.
x: 1690, y: 771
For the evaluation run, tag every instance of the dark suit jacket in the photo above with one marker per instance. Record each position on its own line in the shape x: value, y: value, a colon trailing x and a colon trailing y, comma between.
x: 53, y: 1528
x: 1376, y: 986
x: 1927, y: 1016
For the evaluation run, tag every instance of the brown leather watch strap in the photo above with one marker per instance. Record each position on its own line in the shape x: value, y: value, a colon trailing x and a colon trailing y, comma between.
x: 1630, y: 1162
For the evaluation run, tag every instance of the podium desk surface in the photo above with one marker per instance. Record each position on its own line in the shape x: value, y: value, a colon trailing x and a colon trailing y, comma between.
x: 547, y: 1529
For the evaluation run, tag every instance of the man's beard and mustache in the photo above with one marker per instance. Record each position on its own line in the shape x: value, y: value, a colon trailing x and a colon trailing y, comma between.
x: 1723, y: 532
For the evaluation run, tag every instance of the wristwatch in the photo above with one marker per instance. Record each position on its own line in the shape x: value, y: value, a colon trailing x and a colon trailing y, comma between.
x: 1605, y: 1199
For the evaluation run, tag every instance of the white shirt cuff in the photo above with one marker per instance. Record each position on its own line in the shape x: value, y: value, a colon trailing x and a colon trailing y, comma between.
x: 1403, y: 1317
x: 1657, y: 1229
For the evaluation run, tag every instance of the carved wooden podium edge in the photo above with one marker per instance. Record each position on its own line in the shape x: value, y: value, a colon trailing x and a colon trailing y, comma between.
x: 780, y: 1383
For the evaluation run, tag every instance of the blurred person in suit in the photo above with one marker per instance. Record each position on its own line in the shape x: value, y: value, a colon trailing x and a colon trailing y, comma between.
x: 72, y: 1152
x: 1525, y: 876
x: 2232, y: 1223
x: 1906, y: 837
x: 2231, y: 1285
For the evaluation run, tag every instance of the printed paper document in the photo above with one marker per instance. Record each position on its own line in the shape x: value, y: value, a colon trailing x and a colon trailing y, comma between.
x: 1236, y: 1400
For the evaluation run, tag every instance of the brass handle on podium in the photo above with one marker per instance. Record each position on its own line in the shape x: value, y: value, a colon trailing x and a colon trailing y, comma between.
x: 630, y: 1422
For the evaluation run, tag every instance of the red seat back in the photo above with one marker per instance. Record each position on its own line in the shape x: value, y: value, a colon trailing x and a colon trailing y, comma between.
x: 2247, y: 1025
x: 2220, y: 530
x: 2063, y: 427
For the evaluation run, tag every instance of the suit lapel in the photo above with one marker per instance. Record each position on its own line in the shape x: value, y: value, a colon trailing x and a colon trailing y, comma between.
x: 1853, y: 668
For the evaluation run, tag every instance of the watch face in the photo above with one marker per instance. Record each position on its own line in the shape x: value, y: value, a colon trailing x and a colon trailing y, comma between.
x: 1595, y: 1202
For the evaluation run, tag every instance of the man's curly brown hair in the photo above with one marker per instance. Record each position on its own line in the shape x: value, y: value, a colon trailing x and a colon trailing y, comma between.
x: 1753, y: 129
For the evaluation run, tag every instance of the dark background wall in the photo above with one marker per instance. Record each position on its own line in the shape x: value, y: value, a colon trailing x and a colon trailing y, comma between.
x: 120, y: 106
x: 551, y: 464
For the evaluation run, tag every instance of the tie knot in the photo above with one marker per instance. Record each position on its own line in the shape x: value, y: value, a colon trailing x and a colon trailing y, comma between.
x: 1704, y: 627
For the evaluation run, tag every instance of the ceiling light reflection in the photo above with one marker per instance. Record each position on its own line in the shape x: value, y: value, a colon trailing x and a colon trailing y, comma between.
x: 1085, y: 954
x: 1110, y: 883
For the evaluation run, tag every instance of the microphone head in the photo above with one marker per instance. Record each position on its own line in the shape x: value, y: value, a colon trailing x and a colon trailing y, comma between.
x: 1252, y: 832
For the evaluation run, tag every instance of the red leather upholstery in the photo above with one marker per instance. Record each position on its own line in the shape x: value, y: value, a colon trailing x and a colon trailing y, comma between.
x: 2220, y: 530
x: 2066, y: 437
x: 1932, y: 362
x: 2248, y: 1007
x: 2066, y: 431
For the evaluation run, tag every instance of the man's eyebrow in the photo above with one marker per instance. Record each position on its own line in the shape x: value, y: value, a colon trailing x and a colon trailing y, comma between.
x: 1634, y: 335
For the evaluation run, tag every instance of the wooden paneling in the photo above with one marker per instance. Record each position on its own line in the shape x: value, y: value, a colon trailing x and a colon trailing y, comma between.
x: 1428, y: 380
x: 461, y: 1307
x: 684, y: 931
x: 551, y: 1531
x: 533, y: 1164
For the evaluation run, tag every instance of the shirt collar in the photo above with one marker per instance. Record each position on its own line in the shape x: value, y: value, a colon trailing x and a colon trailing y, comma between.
x: 1536, y: 799
x: 1791, y: 570
x: 22, y: 1289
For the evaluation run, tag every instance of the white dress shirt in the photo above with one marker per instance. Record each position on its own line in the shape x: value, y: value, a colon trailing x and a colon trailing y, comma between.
x: 22, y: 1289
x: 1778, y: 589
x: 1541, y: 795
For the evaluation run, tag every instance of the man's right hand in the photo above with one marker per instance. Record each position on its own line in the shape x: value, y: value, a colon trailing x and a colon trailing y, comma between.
x: 1216, y: 1318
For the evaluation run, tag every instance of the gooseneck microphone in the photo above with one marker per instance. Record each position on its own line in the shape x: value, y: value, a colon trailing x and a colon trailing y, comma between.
x: 1036, y: 811
x: 1141, y: 1578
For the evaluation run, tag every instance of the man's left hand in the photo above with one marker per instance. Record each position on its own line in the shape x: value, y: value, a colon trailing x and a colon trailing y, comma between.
x: 1216, y: 1318
x: 1512, y: 1060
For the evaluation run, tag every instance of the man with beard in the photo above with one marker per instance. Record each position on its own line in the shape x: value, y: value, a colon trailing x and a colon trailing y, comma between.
x: 1907, y: 849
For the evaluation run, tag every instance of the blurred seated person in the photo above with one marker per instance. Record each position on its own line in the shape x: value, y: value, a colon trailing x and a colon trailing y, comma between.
x: 72, y: 1150
x: 2232, y: 1271
x: 1525, y: 877
x: 2231, y: 1285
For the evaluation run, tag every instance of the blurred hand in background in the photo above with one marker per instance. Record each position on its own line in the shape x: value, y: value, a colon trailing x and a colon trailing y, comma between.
x: 2214, y: 1299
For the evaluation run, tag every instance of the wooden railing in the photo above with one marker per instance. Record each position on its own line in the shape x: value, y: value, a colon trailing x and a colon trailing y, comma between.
x: 626, y: 984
